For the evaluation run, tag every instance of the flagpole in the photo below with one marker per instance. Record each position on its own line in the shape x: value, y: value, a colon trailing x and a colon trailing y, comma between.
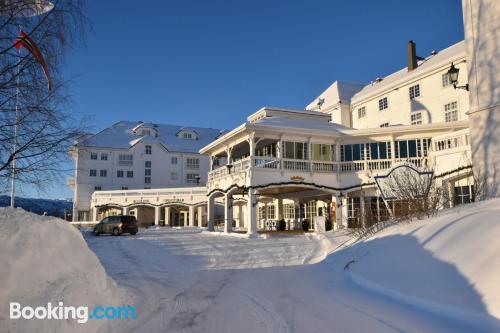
x: 16, y: 130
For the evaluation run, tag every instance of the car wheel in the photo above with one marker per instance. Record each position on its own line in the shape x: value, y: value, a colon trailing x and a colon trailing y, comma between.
x: 116, y: 232
x: 133, y: 233
x: 96, y: 232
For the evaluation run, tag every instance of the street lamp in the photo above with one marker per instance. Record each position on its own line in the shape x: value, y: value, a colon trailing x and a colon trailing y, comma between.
x: 453, y: 75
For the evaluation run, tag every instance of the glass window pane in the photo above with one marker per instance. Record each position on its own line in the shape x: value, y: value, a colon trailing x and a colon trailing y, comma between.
x: 373, y: 151
x: 348, y: 152
x: 403, y: 149
x: 412, y: 148
x: 383, y: 150
x: 356, y: 152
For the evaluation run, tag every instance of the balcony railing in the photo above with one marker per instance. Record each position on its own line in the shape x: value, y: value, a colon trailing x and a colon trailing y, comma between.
x: 274, y: 163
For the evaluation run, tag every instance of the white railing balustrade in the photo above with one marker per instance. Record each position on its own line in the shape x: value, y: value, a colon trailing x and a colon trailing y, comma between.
x: 299, y: 165
x: 275, y: 163
x: 325, y: 166
x: 266, y: 162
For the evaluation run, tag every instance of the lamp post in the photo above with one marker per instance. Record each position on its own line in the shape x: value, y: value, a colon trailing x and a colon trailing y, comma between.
x: 453, y: 75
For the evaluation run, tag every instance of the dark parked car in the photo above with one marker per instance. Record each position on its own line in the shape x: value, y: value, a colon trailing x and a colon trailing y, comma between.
x: 117, y: 225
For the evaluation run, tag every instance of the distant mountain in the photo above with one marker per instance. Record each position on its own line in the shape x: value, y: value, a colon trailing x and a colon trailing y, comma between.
x: 51, y: 207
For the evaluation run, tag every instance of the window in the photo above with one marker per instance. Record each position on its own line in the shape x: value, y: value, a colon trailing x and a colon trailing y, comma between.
x: 289, y: 211
x: 323, y: 152
x: 445, y: 80
x: 192, y: 178
x: 125, y: 159
x: 412, y: 148
x: 103, y: 173
x: 93, y: 173
x: 173, y: 176
x: 383, y: 104
x: 192, y: 163
x: 267, y: 150
x: 147, y: 172
x: 173, y: 160
x: 187, y: 135
x: 104, y: 156
x: 119, y: 173
x: 416, y: 118
x: 270, y: 212
x: 353, y: 212
x: 463, y: 194
x: 384, y: 125
x: 93, y: 156
x: 368, y: 151
x: 130, y: 174
x: 362, y: 112
x: 124, y: 188
x: 295, y: 150
x: 147, y: 164
x: 311, y: 211
x: 146, y: 132
x: 414, y: 91
x: 148, y: 149
x: 451, y: 112
x: 147, y: 180
x: 97, y: 188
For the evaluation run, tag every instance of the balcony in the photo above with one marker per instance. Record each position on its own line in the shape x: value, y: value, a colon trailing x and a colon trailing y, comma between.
x: 308, y: 166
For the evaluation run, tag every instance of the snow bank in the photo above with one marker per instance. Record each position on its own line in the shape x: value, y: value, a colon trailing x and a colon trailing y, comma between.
x: 43, y: 260
x: 449, y: 264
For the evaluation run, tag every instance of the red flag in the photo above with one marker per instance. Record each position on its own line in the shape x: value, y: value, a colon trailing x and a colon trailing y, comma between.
x: 25, y: 41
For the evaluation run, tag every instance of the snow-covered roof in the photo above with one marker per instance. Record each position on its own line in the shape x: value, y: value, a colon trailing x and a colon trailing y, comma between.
x: 337, y: 92
x: 121, y: 135
x: 311, y: 125
x: 430, y: 63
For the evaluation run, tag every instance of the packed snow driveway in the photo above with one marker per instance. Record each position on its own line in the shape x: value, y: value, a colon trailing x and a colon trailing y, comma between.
x: 193, y: 281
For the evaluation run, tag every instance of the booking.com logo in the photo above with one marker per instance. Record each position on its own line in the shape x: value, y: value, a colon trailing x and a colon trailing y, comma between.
x: 81, y: 314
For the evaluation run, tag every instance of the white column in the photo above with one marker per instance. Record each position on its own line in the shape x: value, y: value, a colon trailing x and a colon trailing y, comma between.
x: 157, y: 215
x: 362, y: 211
x: 280, y: 209
x: 241, y: 217
x: 95, y: 211
x: 251, y: 213
x: 200, y: 216
x: 210, y: 213
x: 167, y: 216
x: 125, y: 211
x: 228, y: 212
x: 191, y: 216
x: 344, y: 212
x: 184, y: 218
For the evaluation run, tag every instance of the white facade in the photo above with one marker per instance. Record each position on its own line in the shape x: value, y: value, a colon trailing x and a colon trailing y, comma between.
x: 134, y: 155
x: 321, y: 162
x: 423, y: 95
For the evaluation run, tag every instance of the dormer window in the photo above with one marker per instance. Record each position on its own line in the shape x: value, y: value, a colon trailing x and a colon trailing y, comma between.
x: 187, y: 134
x: 146, y: 129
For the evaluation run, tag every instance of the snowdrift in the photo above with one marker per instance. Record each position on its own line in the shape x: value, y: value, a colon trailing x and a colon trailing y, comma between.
x: 43, y: 260
x: 448, y: 265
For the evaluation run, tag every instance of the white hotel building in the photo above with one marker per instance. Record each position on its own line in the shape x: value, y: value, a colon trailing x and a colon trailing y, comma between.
x: 321, y: 161
x: 137, y: 156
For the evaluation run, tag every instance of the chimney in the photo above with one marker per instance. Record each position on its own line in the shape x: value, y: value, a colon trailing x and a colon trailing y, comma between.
x: 412, y: 56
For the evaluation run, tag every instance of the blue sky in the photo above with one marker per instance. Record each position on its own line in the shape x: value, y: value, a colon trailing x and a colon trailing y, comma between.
x: 212, y: 63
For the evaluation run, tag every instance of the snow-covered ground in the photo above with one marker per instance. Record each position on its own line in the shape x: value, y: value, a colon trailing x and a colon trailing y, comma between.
x: 44, y: 259
x: 436, y: 275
